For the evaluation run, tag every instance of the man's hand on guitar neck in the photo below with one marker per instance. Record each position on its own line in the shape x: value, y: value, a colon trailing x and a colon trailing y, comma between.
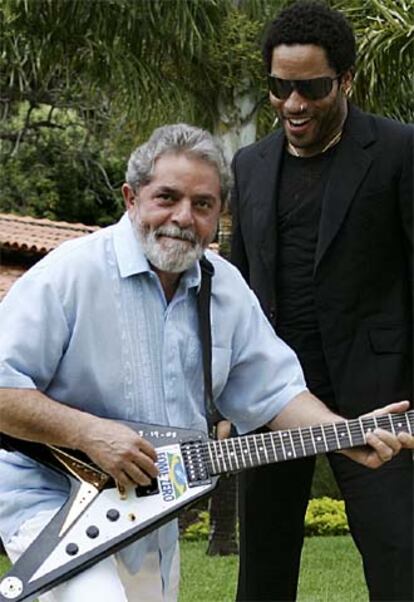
x: 307, y: 410
x: 383, y: 445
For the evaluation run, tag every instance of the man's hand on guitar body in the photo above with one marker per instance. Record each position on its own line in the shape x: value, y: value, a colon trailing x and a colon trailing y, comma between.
x: 115, y: 448
x: 120, y: 452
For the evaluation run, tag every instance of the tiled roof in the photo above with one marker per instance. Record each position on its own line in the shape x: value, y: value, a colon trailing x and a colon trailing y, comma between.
x: 34, y: 236
x: 8, y: 274
x: 38, y: 236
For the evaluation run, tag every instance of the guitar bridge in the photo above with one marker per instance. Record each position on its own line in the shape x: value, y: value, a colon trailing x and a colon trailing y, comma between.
x: 195, y: 463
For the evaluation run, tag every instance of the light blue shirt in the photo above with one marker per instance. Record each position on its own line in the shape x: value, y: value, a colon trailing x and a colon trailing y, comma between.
x: 90, y: 326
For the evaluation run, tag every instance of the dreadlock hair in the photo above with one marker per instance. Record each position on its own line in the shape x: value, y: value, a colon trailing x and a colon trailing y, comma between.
x: 307, y: 22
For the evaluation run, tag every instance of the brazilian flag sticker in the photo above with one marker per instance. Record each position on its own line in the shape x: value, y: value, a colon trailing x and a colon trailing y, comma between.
x: 177, y: 475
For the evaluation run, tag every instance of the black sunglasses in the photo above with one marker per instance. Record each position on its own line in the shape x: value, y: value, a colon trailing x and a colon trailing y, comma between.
x: 312, y: 89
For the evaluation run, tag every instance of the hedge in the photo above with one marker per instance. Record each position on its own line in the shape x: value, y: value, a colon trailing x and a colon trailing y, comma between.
x: 324, y: 516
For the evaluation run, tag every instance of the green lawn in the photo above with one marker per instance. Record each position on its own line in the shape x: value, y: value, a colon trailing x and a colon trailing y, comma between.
x: 331, y: 572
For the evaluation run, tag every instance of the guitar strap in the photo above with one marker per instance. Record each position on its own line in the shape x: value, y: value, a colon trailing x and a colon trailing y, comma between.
x: 204, y: 317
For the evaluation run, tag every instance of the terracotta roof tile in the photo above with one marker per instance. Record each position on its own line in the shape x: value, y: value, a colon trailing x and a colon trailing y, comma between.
x: 35, y: 236
x: 8, y: 274
x: 38, y: 236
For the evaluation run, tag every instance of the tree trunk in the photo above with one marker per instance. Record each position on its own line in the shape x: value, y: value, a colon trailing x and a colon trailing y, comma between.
x: 236, y: 127
x: 222, y: 539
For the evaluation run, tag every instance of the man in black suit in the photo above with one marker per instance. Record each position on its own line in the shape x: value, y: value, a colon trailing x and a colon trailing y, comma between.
x: 322, y: 220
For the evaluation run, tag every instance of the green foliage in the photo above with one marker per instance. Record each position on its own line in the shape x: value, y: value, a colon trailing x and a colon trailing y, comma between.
x: 200, y: 529
x: 385, y: 62
x: 98, y: 54
x: 84, y: 82
x: 60, y: 173
x: 236, y: 57
x: 324, y: 483
x: 325, y: 516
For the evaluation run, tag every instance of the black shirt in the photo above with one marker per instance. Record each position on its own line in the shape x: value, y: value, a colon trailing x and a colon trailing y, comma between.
x: 299, y: 205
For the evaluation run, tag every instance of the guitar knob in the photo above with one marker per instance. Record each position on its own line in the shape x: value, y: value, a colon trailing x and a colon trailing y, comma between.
x: 112, y: 515
x: 72, y: 549
x: 92, y: 531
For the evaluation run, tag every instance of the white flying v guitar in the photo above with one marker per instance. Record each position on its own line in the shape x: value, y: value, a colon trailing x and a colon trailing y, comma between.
x: 95, y: 522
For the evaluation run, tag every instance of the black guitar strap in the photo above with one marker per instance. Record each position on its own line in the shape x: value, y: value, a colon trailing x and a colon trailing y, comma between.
x: 203, y: 305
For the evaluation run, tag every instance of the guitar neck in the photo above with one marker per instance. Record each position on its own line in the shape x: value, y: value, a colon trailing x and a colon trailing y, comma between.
x: 238, y: 453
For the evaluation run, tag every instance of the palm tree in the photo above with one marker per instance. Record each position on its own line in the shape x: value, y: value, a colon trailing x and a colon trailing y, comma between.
x: 385, y: 64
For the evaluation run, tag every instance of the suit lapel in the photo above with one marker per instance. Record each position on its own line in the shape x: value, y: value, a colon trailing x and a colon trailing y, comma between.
x: 351, y: 163
x: 268, y: 169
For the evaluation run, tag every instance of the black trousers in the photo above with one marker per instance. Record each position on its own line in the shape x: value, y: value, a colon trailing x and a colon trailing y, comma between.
x: 379, y: 505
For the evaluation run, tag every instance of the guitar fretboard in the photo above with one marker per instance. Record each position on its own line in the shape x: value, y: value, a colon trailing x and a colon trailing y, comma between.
x: 238, y: 453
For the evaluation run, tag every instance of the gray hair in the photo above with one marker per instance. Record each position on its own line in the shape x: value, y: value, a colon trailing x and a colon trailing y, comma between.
x: 180, y: 139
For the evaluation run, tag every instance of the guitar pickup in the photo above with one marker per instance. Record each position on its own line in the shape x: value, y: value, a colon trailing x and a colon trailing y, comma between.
x: 145, y: 490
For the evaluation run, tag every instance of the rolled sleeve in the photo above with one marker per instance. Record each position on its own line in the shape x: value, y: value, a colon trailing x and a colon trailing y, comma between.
x: 33, y: 333
x: 265, y: 374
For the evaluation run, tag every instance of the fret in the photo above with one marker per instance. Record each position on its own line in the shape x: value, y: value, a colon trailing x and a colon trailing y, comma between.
x: 216, y: 457
x: 287, y: 445
x: 233, y: 453
x: 281, y: 445
x: 247, y: 442
x: 357, y: 432
x: 241, y: 454
x: 256, y: 449
x: 368, y: 424
x: 302, y: 442
x: 212, y: 462
x: 298, y: 445
x: 226, y: 455
x: 330, y: 436
x: 308, y: 441
x: 277, y: 446
x: 348, y: 428
x: 343, y: 434
x: 318, y: 439
x: 292, y: 443
x: 409, y: 416
x: 384, y: 422
x: 264, y: 447
x: 221, y: 456
x: 399, y: 423
x: 272, y: 441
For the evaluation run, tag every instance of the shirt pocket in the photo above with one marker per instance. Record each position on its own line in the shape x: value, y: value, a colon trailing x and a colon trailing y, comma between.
x: 221, y: 361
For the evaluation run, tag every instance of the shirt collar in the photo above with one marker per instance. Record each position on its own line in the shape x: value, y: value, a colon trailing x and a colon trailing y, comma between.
x: 129, y: 254
x: 131, y: 259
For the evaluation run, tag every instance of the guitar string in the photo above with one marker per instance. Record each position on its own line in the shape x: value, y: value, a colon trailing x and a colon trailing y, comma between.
x: 356, y: 430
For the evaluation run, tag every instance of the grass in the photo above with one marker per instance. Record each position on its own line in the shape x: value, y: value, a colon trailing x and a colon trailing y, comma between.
x: 331, y: 572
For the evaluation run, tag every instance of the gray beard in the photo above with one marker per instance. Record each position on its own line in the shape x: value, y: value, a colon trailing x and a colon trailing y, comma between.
x: 174, y: 255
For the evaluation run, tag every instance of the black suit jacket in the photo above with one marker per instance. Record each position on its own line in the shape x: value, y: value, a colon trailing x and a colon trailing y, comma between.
x: 363, y: 270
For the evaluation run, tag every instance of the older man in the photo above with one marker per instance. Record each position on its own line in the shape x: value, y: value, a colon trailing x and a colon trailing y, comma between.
x: 106, y: 328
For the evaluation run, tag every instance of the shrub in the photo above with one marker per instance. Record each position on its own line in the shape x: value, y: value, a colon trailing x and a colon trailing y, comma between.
x: 199, y: 529
x: 326, y: 516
